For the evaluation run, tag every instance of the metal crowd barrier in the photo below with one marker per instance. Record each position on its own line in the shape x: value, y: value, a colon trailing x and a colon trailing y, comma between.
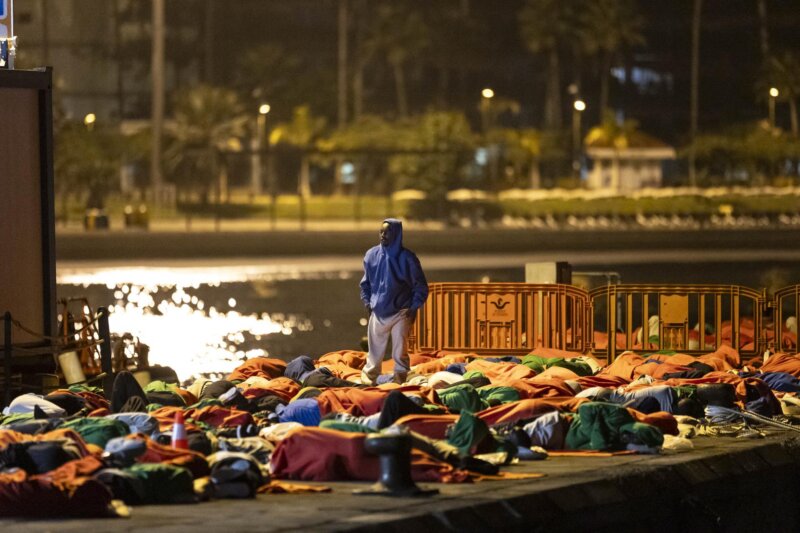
x: 502, y: 318
x: 786, y: 305
x: 692, y: 319
x: 516, y: 318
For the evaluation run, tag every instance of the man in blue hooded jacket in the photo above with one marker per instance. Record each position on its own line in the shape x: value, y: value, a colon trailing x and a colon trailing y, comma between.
x: 393, y: 289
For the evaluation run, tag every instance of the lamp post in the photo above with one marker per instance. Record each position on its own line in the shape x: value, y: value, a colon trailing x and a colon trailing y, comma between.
x: 578, y: 107
x: 89, y: 121
x: 773, y: 94
x: 486, y: 118
x: 257, y: 145
x: 486, y: 101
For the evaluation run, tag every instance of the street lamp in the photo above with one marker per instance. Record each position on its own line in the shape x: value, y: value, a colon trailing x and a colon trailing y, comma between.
x: 486, y: 96
x: 89, y: 121
x: 578, y: 107
x: 257, y: 146
x: 773, y: 94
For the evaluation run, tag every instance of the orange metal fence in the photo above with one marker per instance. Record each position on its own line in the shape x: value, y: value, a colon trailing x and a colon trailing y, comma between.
x: 692, y: 319
x: 502, y: 318
x: 516, y: 318
x: 786, y: 305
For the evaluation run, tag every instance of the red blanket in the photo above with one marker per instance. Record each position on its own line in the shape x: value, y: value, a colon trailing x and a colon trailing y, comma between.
x: 65, y: 491
x: 314, y: 454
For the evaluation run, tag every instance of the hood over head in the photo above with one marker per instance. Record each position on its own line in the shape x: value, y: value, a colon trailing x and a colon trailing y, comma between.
x: 396, y: 229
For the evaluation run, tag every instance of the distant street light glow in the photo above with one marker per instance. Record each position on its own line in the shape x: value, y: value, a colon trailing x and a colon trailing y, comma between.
x: 774, y: 92
x: 89, y: 119
x: 579, y: 105
x: 263, y: 109
x: 487, y: 93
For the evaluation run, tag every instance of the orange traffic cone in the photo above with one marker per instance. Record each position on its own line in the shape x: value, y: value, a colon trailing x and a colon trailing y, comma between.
x: 179, y: 432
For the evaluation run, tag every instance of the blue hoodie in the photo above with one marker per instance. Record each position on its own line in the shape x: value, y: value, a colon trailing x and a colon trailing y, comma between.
x: 393, y: 278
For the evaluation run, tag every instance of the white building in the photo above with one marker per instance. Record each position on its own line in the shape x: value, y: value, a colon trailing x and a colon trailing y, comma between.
x: 627, y: 166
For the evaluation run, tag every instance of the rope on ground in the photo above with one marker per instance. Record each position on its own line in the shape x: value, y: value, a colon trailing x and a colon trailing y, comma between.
x: 750, y: 415
x: 87, y: 327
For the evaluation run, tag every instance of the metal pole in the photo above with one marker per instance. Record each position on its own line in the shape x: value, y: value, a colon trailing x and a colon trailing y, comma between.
x: 157, y: 112
x: 694, y: 91
x: 257, y: 145
x: 273, y: 186
x: 7, y: 356
x: 105, y: 337
x: 12, y: 43
x: 771, y: 112
x: 576, y: 149
x: 342, y: 65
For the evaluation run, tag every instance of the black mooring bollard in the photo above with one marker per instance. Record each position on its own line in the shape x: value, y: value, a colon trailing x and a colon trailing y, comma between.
x: 106, y: 365
x: 394, y: 453
x: 105, y: 337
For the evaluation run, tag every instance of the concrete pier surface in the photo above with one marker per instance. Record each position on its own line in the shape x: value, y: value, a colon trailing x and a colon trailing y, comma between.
x: 723, y: 484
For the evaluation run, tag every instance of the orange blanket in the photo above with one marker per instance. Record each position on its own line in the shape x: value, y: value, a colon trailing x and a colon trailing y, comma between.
x: 359, y: 402
x: 282, y: 387
x: 501, y: 372
x: 65, y: 491
x: 783, y: 362
x: 525, y: 409
x: 349, y: 358
x: 266, y: 367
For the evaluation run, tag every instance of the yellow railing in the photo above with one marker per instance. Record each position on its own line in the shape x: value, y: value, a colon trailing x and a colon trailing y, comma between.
x: 692, y: 319
x: 786, y: 305
x: 502, y: 318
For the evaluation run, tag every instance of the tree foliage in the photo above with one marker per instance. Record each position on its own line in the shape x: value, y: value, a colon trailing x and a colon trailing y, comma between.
x: 206, y: 121
x: 746, y: 154
x: 87, y: 160
x: 445, y: 144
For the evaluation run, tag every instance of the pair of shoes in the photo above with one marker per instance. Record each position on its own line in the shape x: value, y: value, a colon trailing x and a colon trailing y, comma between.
x: 400, y: 377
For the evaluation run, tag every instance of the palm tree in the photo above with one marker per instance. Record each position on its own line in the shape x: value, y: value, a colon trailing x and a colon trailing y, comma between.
x: 606, y: 27
x: 544, y: 26
x: 695, y: 89
x: 343, y: 38
x: 783, y: 73
x: 397, y: 32
x: 207, y: 121
x: 302, y: 132
x: 763, y: 29
x: 456, y: 50
x: 157, y: 113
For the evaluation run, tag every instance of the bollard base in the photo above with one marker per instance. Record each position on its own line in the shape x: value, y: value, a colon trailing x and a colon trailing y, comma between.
x: 379, y: 489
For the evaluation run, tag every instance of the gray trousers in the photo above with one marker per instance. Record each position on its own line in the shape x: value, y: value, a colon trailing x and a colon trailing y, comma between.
x: 378, y: 331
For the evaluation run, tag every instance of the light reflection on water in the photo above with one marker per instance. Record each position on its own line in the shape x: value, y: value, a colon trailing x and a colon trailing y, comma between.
x: 168, y: 309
